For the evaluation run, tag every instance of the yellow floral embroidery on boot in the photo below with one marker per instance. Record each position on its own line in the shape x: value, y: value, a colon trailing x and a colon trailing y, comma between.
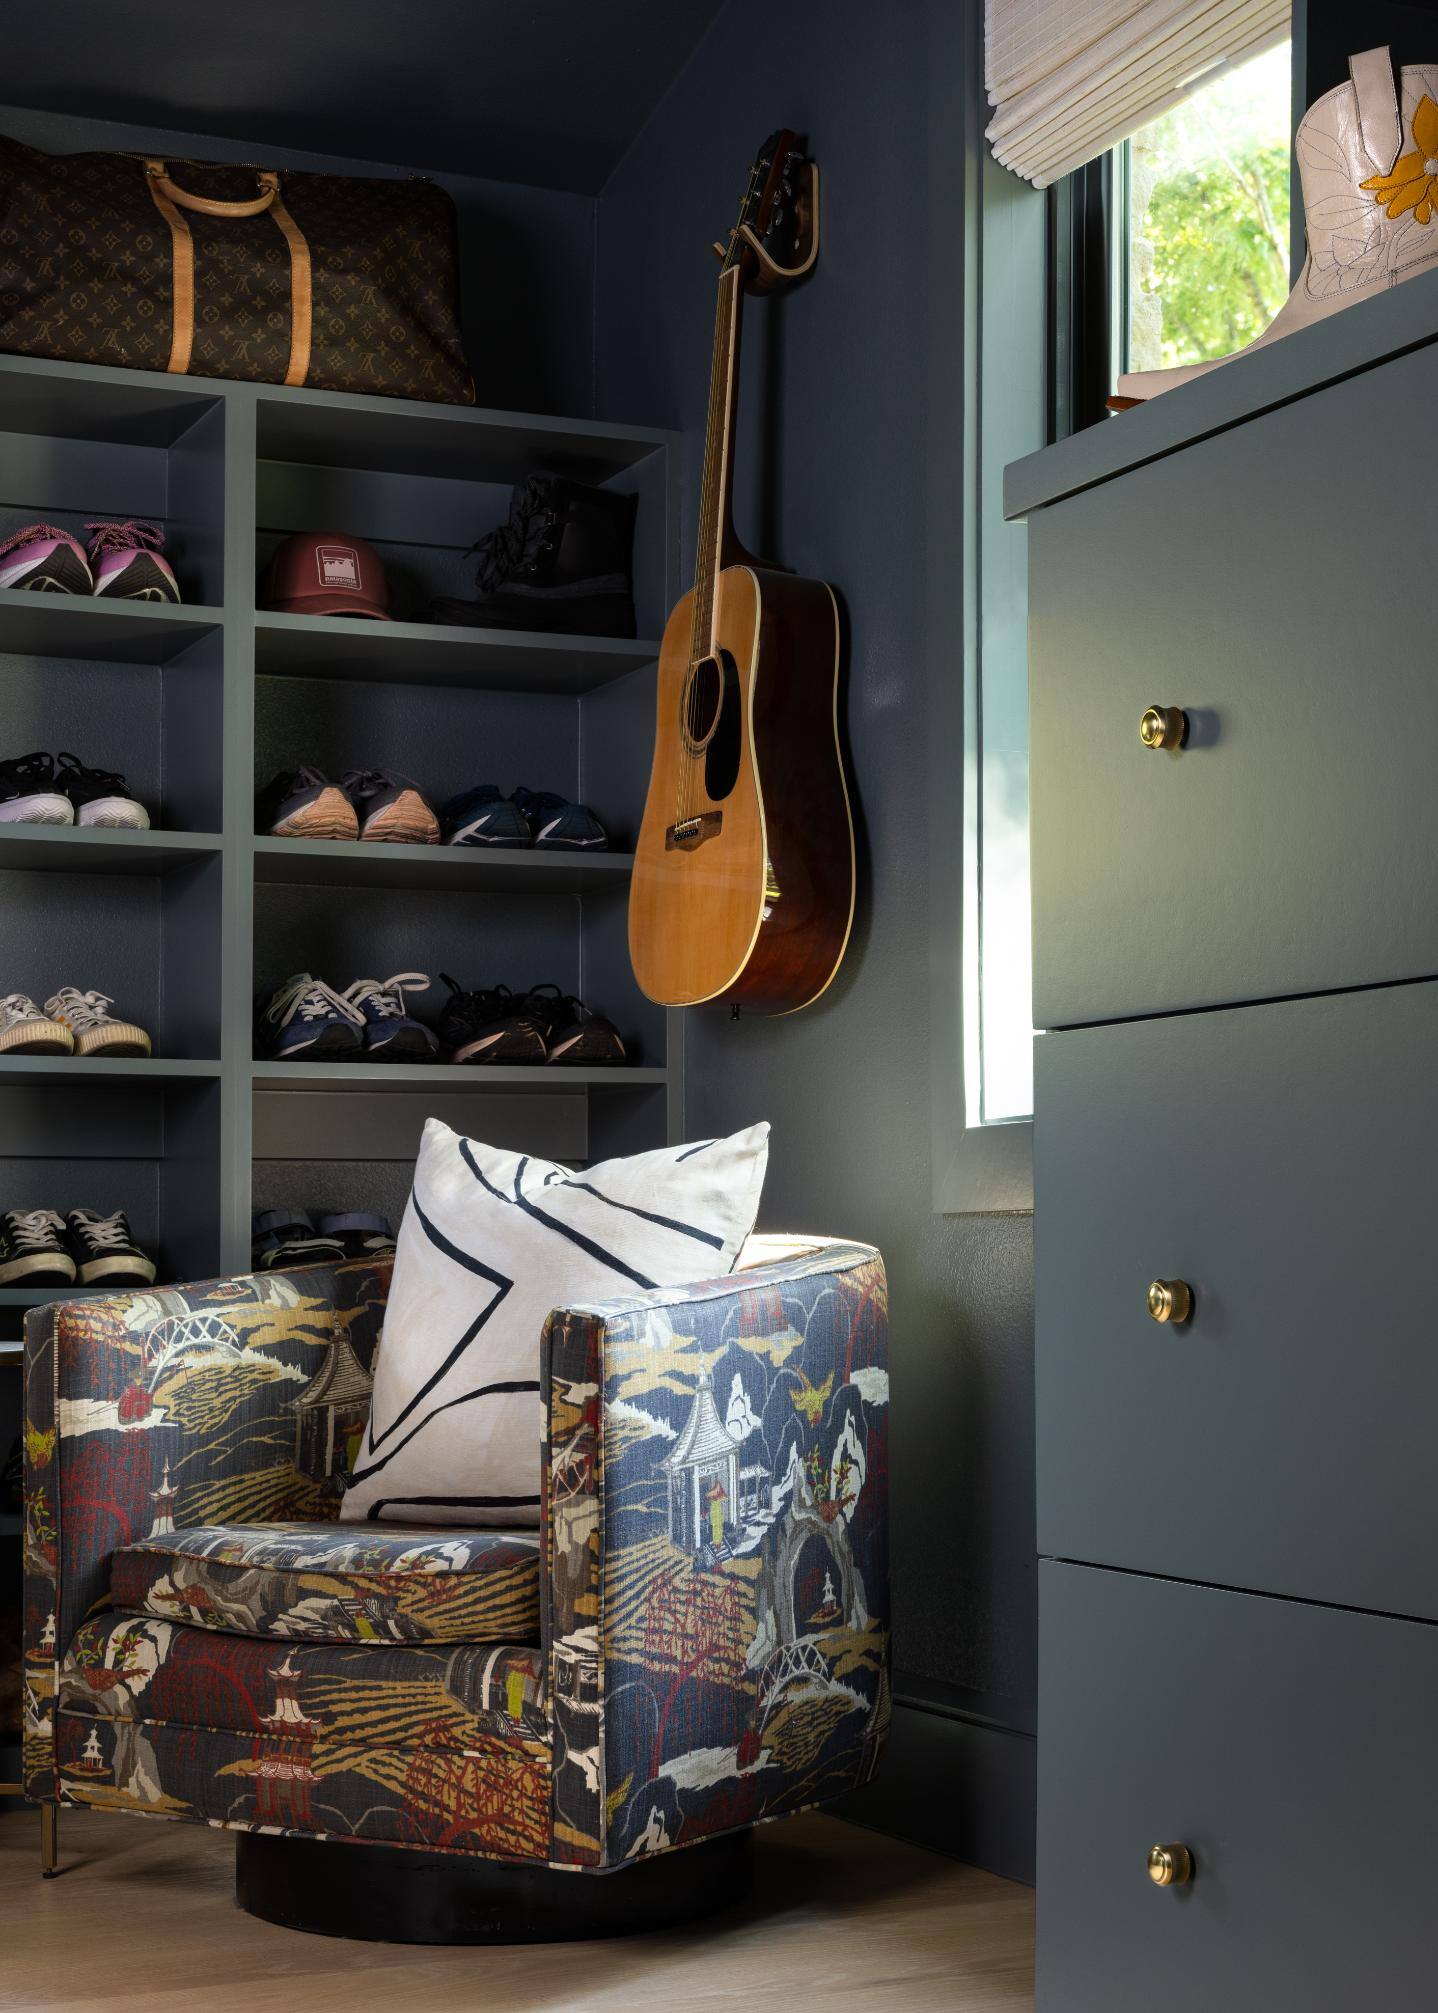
x: 1413, y: 184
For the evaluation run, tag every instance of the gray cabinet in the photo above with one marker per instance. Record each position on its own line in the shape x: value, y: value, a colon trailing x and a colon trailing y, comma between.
x: 1292, y: 1748
x: 1281, y: 1160
x: 1273, y: 582
x: 1236, y: 968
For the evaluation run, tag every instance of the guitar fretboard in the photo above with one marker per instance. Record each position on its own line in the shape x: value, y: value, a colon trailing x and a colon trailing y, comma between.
x: 715, y: 495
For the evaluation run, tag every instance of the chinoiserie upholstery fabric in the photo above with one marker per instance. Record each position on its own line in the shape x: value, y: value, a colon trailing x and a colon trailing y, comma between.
x: 713, y: 1641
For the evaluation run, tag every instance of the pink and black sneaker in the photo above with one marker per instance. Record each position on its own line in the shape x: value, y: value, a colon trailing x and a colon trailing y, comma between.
x: 47, y: 560
x: 127, y: 562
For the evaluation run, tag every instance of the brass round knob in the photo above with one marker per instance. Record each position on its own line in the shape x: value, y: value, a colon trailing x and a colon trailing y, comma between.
x: 1163, y: 727
x: 1170, y: 1300
x: 1170, y: 1865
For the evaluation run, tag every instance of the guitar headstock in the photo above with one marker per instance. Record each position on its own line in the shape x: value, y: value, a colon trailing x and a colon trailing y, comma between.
x: 769, y: 208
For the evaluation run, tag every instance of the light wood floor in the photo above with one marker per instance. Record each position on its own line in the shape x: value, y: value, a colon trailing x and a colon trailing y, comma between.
x: 143, y: 1919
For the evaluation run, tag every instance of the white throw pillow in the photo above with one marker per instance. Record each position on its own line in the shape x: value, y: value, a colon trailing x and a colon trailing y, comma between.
x: 491, y: 1242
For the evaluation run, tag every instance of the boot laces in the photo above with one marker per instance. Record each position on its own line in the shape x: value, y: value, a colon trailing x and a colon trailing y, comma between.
x: 515, y: 547
x: 136, y: 534
x: 309, y: 999
x: 29, y: 531
x: 28, y: 768
x: 19, y: 1006
x: 82, y: 1011
x: 386, y: 996
x: 33, y: 1229
x: 110, y: 1232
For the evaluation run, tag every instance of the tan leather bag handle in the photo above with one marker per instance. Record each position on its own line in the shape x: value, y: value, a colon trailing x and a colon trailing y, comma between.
x: 168, y: 200
x: 208, y: 206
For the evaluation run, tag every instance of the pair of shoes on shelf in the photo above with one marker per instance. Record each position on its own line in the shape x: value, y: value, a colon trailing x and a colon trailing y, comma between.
x: 379, y: 805
x: 561, y: 562
x: 40, y: 1247
x: 484, y: 816
x: 72, y: 1023
x: 280, y: 1238
x: 121, y: 561
x: 43, y: 789
x: 305, y: 1019
x: 544, y: 1025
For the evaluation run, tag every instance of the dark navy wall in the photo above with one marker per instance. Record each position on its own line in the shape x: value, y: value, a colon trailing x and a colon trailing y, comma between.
x: 842, y: 449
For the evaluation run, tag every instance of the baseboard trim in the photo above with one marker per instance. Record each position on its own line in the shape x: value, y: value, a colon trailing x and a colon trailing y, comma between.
x: 956, y: 1785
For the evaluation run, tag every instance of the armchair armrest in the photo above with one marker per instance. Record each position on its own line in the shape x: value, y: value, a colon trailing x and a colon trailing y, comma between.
x: 225, y: 1402
x: 716, y: 1548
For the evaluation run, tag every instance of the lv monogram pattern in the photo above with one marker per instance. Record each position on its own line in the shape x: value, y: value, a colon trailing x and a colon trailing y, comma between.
x: 86, y: 275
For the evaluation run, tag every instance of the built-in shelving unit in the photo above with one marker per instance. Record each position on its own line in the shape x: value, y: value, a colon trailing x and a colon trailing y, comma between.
x: 199, y: 705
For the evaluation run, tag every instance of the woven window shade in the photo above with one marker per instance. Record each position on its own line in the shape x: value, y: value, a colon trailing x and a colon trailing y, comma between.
x: 1068, y: 79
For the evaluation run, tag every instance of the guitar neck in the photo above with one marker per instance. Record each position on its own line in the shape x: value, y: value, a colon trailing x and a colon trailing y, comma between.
x: 717, y: 544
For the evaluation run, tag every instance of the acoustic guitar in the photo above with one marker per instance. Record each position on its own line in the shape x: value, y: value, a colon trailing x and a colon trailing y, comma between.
x: 743, y: 887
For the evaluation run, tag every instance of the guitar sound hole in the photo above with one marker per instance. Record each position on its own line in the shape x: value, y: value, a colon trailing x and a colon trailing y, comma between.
x: 702, y: 698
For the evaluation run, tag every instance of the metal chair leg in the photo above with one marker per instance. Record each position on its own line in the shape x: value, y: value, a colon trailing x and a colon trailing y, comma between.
x: 49, y: 1840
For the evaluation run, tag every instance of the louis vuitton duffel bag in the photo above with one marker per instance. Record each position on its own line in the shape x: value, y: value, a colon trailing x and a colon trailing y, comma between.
x: 348, y: 284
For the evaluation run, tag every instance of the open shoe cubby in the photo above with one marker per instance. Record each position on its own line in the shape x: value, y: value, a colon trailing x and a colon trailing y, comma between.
x: 199, y: 705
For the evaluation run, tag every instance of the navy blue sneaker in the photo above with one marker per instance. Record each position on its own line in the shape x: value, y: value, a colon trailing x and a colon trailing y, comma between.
x: 280, y: 1238
x: 391, y: 1033
x: 556, y: 825
x: 304, y: 1019
x: 483, y: 816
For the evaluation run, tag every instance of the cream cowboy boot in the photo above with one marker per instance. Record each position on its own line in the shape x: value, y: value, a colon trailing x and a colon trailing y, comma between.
x: 1371, y: 215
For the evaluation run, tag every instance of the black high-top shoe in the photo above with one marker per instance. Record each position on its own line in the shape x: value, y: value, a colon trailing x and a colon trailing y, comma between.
x: 561, y: 563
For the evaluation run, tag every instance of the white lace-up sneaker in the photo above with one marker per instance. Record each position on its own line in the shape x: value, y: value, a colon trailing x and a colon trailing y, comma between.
x: 95, y: 1031
x: 32, y: 1249
x: 105, y: 1252
x: 24, y: 1030
x: 1368, y: 164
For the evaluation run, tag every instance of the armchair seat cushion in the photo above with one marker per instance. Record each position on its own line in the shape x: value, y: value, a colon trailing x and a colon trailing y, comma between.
x: 401, y: 1743
x: 336, y: 1583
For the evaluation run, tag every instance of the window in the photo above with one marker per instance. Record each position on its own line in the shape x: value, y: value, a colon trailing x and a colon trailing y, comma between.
x: 1203, y: 215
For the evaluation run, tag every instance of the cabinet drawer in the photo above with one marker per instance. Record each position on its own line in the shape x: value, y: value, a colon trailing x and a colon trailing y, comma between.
x: 1273, y: 582
x: 1283, y: 1161
x: 1292, y: 1749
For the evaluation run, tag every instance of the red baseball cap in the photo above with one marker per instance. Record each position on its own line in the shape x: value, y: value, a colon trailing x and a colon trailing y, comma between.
x: 326, y: 573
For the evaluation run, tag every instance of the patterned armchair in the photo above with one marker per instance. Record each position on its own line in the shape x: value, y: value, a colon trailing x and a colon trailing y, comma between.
x: 694, y: 1641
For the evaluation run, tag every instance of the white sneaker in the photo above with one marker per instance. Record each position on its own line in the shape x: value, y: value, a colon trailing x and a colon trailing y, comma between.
x: 94, y: 1032
x: 24, y: 1030
x: 1370, y: 208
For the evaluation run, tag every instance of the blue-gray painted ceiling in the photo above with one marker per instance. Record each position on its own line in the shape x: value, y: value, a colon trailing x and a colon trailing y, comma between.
x: 550, y: 94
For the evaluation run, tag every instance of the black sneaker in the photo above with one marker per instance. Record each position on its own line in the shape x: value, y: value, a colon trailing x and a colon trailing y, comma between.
x: 304, y: 804
x: 357, y: 1234
x: 280, y: 1238
x: 557, y: 826
x: 99, y: 796
x: 561, y: 563
x: 32, y: 1249
x: 572, y: 1031
x: 488, y: 1026
x: 105, y: 1252
x: 29, y: 794
x: 391, y: 1032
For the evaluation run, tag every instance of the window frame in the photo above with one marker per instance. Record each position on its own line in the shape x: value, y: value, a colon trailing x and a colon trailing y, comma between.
x: 995, y: 405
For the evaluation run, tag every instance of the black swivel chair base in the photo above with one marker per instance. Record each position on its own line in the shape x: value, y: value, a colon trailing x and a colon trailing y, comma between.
x: 388, y: 1894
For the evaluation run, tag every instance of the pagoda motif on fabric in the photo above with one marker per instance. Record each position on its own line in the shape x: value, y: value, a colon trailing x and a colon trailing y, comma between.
x: 702, y: 1469
x: 91, y: 1764
x: 284, y: 1776
x: 163, y: 1499
x: 331, y: 1413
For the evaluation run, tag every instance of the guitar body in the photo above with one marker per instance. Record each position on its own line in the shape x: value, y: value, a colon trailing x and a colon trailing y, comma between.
x: 743, y: 887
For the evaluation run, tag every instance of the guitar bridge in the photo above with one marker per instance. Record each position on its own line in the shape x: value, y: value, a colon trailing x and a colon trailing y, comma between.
x: 687, y: 833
